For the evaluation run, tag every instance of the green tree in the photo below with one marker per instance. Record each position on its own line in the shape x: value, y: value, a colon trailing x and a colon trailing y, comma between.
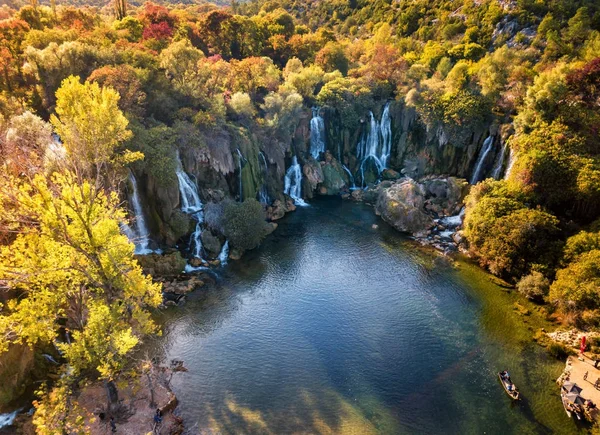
x: 244, y: 223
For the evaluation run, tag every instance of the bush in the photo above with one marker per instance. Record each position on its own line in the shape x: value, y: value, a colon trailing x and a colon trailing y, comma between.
x: 244, y: 223
x: 534, y: 286
x: 559, y: 350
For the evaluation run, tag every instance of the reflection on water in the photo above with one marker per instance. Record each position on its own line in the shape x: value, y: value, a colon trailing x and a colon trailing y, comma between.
x: 335, y: 327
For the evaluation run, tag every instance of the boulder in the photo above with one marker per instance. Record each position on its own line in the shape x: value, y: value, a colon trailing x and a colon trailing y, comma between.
x: 182, y: 287
x: 211, y: 243
x: 279, y: 208
x: 390, y: 174
x: 444, y: 195
x: 335, y: 178
x: 162, y: 265
x: 313, y: 174
x: 402, y: 206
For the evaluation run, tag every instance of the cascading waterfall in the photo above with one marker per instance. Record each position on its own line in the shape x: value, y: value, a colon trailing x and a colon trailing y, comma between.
x: 511, y: 161
x: 240, y: 162
x: 497, y: 170
x: 139, y: 234
x: 376, y: 145
x: 263, y: 193
x: 293, y: 182
x: 485, y: 150
x: 317, y: 134
x: 224, y: 254
x: 192, y: 205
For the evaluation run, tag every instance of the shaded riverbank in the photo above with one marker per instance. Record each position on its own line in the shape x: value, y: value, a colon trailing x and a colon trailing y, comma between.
x: 334, y: 325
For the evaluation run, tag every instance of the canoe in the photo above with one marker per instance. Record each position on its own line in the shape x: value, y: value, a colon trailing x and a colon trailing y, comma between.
x: 514, y: 394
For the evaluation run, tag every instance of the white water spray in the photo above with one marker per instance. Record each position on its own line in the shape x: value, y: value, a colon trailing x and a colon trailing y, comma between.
x: 499, y: 163
x: 293, y: 182
x: 485, y: 150
x: 224, y: 254
x: 512, y: 158
x: 192, y: 205
x: 240, y: 162
x: 317, y: 134
x: 139, y: 233
x: 263, y: 193
x: 8, y: 419
x: 376, y: 145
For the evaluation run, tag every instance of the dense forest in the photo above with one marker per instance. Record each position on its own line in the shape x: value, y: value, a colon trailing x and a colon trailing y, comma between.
x: 99, y: 101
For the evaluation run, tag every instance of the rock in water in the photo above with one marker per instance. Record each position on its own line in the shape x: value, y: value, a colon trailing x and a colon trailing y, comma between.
x: 313, y: 174
x: 402, y: 206
x: 211, y: 243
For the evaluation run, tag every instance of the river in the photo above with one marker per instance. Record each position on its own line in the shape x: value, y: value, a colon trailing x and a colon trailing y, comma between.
x: 334, y: 326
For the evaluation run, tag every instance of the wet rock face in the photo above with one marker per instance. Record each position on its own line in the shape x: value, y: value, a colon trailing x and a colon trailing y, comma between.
x: 211, y: 243
x: 335, y: 178
x: 403, y: 206
x: 313, y: 175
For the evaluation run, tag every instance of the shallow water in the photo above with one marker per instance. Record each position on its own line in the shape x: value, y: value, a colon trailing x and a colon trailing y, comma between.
x: 333, y: 326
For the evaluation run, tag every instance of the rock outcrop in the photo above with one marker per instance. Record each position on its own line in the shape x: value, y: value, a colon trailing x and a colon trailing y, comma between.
x: 402, y: 205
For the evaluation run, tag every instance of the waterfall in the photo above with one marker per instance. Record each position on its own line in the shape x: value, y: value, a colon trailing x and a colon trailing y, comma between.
x: 8, y: 419
x: 345, y: 168
x: 385, y: 127
x: 377, y: 143
x: 497, y: 170
x: 139, y: 234
x: 293, y: 182
x: 317, y: 134
x: 240, y: 160
x: 190, y: 200
x: 191, y: 204
x: 485, y: 150
x: 263, y: 193
x: 512, y: 158
x: 224, y: 254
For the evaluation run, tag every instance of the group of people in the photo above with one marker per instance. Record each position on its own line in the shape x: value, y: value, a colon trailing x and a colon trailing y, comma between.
x: 506, y: 378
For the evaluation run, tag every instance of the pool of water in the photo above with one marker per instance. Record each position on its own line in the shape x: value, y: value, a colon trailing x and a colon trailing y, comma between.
x: 336, y: 326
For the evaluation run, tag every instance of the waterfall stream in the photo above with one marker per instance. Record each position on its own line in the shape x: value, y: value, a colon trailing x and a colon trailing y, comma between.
x: 485, y: 150
x: 293, y: 182
x: 499, y: 163
x: 240, y: 162
x: 8, y: 419
x: 511, y: 161
x: 263, y: 193
x: 192, y: 205
x: 317, y: 134
x: 139, y: 233
x: 376, y: 145
x: 224, y: 254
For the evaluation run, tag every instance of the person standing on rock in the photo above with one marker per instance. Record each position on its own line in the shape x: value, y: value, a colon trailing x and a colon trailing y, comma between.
x: 113, y: 425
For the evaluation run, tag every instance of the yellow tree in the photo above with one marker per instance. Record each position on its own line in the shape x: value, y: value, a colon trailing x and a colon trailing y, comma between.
x: 78, y: 283
x: 91, y: 127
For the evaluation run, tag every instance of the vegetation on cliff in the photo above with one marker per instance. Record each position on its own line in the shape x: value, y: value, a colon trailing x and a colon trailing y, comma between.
x: 137, y: 87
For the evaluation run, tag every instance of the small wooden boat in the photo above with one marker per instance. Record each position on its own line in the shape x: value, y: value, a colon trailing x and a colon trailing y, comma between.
x: 509, y: 387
